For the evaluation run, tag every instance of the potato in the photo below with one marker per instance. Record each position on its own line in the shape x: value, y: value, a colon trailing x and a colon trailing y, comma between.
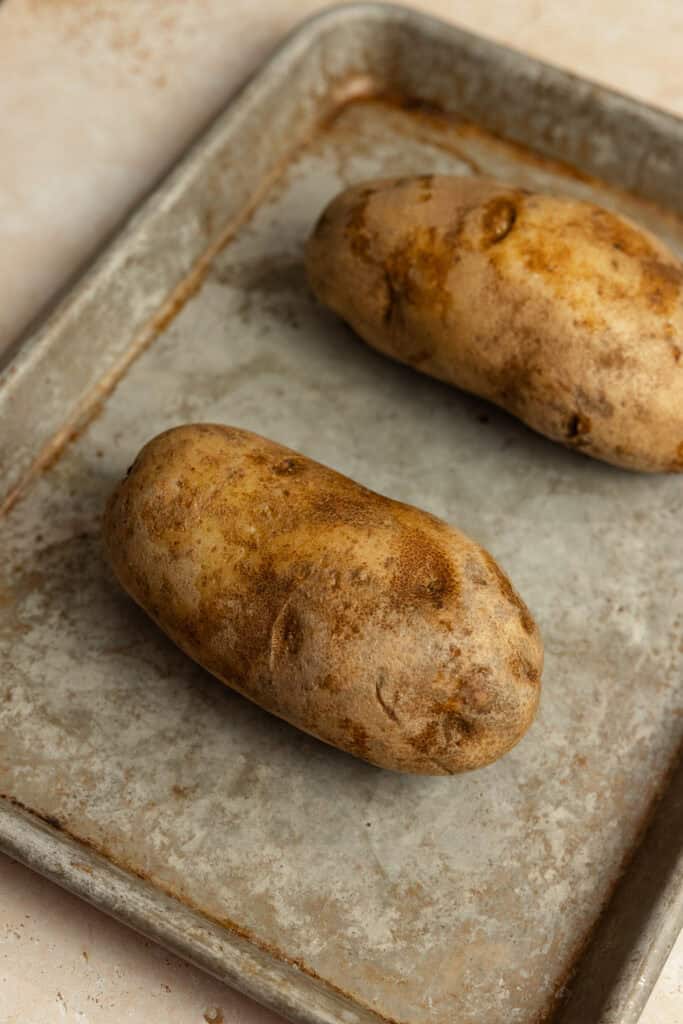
x: 365, y: 622
x: 566, y: 315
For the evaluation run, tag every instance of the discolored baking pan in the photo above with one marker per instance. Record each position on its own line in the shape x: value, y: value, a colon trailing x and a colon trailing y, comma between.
x: 323, y: 887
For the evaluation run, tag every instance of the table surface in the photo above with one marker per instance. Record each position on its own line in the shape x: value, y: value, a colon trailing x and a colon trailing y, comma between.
x: 97, y: 100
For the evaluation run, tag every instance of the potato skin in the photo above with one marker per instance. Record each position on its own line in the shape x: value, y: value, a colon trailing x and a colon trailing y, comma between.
x: 565, y: 314
x: 368, y: 623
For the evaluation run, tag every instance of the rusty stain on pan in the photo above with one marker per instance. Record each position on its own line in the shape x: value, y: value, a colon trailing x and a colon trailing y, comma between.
x: 100, y: 849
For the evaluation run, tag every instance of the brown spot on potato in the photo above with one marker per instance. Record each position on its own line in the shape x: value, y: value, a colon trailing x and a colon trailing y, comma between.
x: 426, y: 183
x: 661, y: 285
x: 445, y: 730
x: 546, y: 255
x: 417, y: 270
x: 612, y: 359
x: 578, y: 426
x: 425, y: 740
x: 289, y: 466
x: 499, y: 218
x: 392, y: 300
x: 614, y: 231
x: 677, y: 464
x: 475, y: 691
x: 509, y: 592
x: 259, y: 458
x: 353, y: 506
x: 457, y: 726
x: 330, y: 683
x: 677, y: 353
x: 423, y: 575
x: 357, y: 231
x: 523, y: 669
x: 661, y: 282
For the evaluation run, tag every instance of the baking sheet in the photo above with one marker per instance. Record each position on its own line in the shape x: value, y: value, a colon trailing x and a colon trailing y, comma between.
x: 327, y: 888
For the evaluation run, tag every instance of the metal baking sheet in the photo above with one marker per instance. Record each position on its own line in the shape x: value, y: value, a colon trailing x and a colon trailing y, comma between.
x: 328, y: 889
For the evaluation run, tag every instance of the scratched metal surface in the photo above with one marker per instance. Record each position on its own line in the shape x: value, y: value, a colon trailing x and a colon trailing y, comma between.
x: 416, y: 899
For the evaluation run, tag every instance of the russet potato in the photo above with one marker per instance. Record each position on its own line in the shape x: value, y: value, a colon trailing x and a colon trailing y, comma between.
x: 368, y: 623
x: 565, y: 314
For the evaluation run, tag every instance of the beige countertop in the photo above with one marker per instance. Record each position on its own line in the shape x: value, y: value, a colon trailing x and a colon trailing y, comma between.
x: 97, y: 98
